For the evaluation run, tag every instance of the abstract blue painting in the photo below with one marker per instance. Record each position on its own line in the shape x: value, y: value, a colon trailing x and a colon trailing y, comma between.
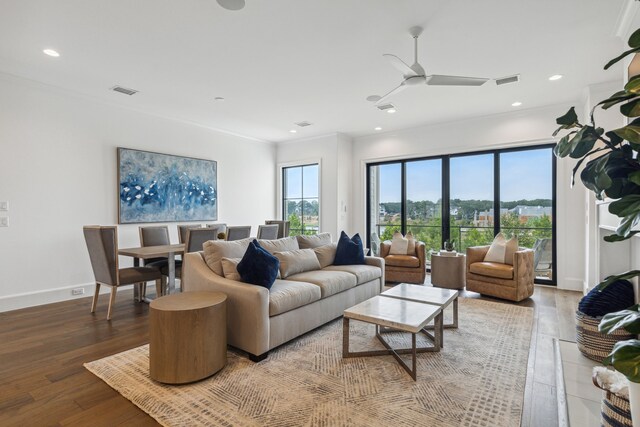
x: 158, y: 187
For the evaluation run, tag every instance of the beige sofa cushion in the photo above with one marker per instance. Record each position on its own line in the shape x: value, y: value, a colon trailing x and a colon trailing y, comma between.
x: 326, y: 254
x: 402, y: 261
x: 363, y: 273
x: 492, y: 269
x: 313, y: 241
x: 215, y: 250
x: 330, y: 282
x: 230, y: 268
x: 286, y: 295
x: 298, y: 261
x: 280, y: 245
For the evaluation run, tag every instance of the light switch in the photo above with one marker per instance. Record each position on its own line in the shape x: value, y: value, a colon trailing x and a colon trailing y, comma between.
x: 4, y: 221
x: 4, y: 206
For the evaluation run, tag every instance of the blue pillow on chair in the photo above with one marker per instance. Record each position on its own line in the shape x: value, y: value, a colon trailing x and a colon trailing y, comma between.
x: 615, y: 297
x: 258, y: 266
x: 349, y: 251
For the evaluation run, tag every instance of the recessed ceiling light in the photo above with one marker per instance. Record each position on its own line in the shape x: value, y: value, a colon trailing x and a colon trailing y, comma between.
x: 293, y: 131
x: 377, y: 128
x: 391, y: 110
x: 51, y: 52
x: 516, y: 104
x: 218, y: 99
x: 555, y: 77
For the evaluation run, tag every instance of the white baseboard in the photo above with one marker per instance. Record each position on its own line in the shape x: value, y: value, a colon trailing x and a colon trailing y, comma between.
x: 31, y: 299
x: 571, y: 284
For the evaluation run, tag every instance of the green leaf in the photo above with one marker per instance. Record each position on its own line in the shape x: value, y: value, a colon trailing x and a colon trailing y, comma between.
x: 614, y: 138
x: 635, y: 177
x: 630, y: 133
x: 619, y: 57
x: 624, y: 276
x: 594, y: 175
x: 628, y: 320
x: 633, y: 85
x: 631, y: 108
x: 584, y: 141
x: 627, y: 223
x: 634, y: 40
x: 625, y: 358
x: 612, y: 238
x: 616, y: 98
x: 569, y: 119
x: 628, y: 205
x: 563, y: 147
x: 577, y: 166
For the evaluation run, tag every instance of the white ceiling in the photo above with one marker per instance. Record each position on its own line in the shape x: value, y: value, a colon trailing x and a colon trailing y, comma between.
x: 281, y: 61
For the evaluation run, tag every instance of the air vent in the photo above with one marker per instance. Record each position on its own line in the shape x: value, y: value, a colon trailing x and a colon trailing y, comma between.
x: 303, y: 124
x: 509, y: 79
x: 384, y: 107
x: 124, y: 90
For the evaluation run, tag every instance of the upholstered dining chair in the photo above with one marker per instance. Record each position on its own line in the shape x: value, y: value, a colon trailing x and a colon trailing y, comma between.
x: 283, y: 229
x: 268, y: 232
x: 238, y: 232
x: 102, y: 244
x: 158, y: 235
x: 182, y: 231
x: 196, y: 237
x: 222, y: 227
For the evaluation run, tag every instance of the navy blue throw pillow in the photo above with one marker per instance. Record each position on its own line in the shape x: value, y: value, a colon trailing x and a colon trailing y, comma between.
x: 349, y: 251
x: 258, y: 266
x: 615, y: 297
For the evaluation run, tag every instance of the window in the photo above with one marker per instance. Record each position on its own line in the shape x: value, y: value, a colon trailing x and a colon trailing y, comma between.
x: 300, y: 202
x: 469, y: 198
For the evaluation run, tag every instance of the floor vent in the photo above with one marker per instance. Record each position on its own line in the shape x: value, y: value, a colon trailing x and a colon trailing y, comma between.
x: 124, y: 90
x: 508, y: 79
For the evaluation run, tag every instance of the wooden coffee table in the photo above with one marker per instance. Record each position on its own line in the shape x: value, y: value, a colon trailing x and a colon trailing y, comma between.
x: 427, y: 295
x: 398, y: 314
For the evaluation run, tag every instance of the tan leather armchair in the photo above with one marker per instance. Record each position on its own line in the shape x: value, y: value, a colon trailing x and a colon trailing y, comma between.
x: 404, y: 268
x: 512, y: 282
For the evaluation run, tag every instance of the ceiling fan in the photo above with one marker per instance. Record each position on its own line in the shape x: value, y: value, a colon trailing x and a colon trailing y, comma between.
x: 415, y: 75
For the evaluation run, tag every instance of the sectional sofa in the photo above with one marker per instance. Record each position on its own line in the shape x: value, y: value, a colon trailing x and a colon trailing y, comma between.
x: 306, y: 295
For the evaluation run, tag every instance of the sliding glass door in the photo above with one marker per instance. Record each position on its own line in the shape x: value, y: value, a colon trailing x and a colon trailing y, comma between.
x: 469, y: 198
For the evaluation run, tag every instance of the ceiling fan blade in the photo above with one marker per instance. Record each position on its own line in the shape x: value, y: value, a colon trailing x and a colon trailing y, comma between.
x: 439, y: 80
x: 400, y: 65
x: 391, y: 93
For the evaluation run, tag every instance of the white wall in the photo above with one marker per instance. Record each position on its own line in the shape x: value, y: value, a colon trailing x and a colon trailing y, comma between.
x: 520, y: 128
x: 58, y: 172
x: 333, y: 152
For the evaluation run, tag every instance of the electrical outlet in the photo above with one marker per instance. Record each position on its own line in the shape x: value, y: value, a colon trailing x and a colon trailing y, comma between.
x: 4, y: 221
x: 4, y: 206
x: 77, y: 291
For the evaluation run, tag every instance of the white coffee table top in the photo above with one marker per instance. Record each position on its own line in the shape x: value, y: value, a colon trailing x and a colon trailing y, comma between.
x: 424, y: 294
x: 394, y: 313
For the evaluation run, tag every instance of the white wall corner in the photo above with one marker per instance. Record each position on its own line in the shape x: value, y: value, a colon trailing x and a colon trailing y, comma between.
x: 628, y: 20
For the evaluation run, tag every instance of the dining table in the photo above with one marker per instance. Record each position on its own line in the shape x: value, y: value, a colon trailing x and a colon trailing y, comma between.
x: 150, y: 252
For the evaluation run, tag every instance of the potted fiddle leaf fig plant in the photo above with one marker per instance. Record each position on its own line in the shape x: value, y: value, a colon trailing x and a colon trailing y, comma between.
x: 612, y: 170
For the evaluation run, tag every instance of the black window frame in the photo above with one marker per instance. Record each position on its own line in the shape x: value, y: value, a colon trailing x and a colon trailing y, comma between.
x: 445, y: 194
x: 285, y: 199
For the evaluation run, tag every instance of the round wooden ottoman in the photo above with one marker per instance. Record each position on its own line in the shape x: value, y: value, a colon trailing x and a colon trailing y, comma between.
x: 187, y: 336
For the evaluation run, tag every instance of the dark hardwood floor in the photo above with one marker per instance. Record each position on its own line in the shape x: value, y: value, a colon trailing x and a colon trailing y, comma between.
x: 43, y: 382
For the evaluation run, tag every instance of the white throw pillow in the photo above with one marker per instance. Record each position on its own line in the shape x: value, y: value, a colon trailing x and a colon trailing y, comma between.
x: 502, y: 250
x: 411, y: 246
x: 230, y: 268
x: 298, y: 261
x: 399, y: 244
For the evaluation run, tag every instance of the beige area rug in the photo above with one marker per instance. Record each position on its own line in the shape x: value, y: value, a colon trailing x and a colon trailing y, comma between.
x: 476, y: 380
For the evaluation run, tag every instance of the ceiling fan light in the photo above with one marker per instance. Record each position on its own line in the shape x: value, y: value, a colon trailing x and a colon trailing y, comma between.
x: 231, y: 4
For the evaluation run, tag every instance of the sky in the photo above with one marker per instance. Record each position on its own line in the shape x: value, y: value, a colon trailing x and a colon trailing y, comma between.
x: 524, y: 175
x: 294, y: 178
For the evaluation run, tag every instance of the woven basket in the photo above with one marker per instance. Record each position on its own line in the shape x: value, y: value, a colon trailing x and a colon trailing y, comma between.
x: 615, y: 410
x: 593, y: 344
